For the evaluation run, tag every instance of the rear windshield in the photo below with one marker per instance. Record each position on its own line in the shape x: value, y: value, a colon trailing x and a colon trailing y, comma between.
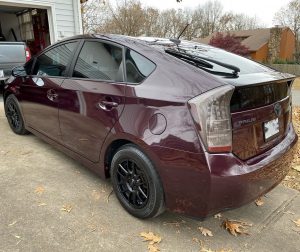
x: 246, y: 65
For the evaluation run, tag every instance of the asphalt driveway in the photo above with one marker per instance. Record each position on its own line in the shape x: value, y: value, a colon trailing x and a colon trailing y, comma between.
x: 48, y: 202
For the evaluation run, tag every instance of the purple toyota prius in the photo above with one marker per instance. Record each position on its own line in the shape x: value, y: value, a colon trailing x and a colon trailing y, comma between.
x: 174, y: 124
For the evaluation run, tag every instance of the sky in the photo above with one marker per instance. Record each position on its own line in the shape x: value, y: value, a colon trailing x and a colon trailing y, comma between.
x: 264, y: 10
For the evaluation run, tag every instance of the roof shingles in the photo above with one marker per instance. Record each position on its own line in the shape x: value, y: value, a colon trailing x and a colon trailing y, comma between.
x: 253, y: 39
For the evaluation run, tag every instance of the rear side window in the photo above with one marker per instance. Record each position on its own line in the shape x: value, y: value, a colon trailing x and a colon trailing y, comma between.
x: 138, y: 67
x: 55, y: 61
x: 101, y: 61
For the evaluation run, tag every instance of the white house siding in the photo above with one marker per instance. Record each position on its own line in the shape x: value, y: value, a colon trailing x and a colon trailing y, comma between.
x: 64, y: 15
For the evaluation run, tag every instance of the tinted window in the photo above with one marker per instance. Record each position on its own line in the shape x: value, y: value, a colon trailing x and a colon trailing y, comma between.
x: 99, y: 61
x: 55, y: 61
x: 137, y: 67
x: 246, y: 66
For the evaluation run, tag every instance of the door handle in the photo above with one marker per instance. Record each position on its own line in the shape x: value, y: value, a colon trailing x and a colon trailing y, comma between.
x: 107, y: 105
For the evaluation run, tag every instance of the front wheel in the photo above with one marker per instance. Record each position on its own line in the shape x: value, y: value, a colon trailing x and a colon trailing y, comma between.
x: 14, y: 116
x: 136, y: 183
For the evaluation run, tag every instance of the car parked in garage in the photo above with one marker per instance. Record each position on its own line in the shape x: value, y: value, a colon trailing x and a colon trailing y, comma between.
x: 174, y: 124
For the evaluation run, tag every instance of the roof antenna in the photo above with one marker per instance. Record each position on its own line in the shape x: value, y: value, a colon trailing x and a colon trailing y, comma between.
x: 177, y: 40
x: 187, y: 25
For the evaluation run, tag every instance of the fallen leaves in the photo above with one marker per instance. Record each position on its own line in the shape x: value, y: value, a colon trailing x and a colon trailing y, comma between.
x: 296, y: 168
x: 39, y: 190
x: 293, y: 178
x: 297, y: 222
x: 236, y: 227
x: 42, y: 204
x: 96, y: 195
x: 153, y: 240
x: 206, y: 250
x: 67, y: 208
x: 218, y: 216
x: 151, y: 237
x: 259, y: 202
x: 152, y: 248
x: 13, y: 223
x: 108, y: 196
x: 205, y: 231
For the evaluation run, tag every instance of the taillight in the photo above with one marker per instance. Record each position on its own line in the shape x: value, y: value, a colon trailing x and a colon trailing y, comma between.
x: 211, y: 112
x: 27, y: 54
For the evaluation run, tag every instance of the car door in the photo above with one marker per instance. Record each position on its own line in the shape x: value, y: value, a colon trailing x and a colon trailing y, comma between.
x: 39, y: 91
x: 93, y: 98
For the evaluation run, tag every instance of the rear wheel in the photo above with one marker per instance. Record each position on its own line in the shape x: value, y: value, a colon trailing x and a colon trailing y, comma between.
x: 136, y: 183
x: 14, y: 116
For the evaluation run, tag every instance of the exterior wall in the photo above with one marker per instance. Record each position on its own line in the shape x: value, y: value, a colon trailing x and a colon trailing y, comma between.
x: 64, y: 15
x: 261, y: 54
x: 287, y: 45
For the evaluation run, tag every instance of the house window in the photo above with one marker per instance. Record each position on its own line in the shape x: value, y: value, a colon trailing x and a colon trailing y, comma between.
x: 25, y: 21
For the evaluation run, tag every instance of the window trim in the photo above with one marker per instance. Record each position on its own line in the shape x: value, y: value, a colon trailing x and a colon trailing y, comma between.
x: 76, y: 57
x: 53, y: 47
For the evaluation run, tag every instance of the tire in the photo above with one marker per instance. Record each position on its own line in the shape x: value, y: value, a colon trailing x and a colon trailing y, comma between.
x: 136, y: 182
x: 14, y: 116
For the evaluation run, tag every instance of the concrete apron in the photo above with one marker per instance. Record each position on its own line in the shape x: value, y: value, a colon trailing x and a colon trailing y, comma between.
x: 296, y: 96
x: 37, y: 181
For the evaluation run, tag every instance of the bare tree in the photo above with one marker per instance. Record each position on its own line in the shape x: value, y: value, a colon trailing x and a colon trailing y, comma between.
x: 290, y: 16
x: 93, y: 15
x: 130, y: 17
x: 212, y: 13
x: 233, y: 22
x: 127, y: 17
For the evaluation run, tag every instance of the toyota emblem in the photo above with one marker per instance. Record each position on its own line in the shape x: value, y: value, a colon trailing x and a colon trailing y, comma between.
x: 277, y: 109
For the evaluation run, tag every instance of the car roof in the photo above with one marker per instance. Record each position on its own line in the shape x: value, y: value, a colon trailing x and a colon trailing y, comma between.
x: 153, y: 42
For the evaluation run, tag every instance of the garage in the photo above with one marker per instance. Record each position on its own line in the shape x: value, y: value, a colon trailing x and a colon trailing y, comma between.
x: 29, y: 25
x: 39, y: 23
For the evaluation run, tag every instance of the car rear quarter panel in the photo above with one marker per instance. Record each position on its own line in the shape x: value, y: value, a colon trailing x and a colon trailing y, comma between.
x: 170, y: 139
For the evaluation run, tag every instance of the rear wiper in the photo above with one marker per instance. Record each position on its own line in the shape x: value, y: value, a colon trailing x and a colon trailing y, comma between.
x: 185, y: 56
x: 235, y: 69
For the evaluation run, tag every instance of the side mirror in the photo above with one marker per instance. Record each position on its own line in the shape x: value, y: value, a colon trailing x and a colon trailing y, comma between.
x: 19, y: 71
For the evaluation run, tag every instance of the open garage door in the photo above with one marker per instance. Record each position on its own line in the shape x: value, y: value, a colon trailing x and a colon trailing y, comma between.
x: 29, y: 25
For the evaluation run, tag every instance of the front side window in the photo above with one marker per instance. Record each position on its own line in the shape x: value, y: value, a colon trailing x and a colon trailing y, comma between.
x: 138, y: 67
x: 100, y: 61
x: 55, y: 61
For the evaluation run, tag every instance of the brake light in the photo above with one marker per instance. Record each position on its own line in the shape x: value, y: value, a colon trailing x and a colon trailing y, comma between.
x: 27, y: 54
x: 211, y: 113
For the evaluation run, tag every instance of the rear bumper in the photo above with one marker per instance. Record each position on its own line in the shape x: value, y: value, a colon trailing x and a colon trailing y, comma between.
x: 200, y: 185
x: 235, y: 183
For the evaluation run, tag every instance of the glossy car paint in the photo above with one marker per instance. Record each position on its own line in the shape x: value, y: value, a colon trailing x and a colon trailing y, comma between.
x: 39, y: 100
x: 84, y: 124
x: 155, y: 116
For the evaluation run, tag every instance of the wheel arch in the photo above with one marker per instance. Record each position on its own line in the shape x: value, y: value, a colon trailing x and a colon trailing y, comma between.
x: 113, y: 143
x: 6, y: 94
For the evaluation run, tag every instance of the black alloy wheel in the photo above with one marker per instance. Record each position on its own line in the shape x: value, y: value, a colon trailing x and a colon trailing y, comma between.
x: 14, y: 116
x: 136, y: 182
x: 132, y: 183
